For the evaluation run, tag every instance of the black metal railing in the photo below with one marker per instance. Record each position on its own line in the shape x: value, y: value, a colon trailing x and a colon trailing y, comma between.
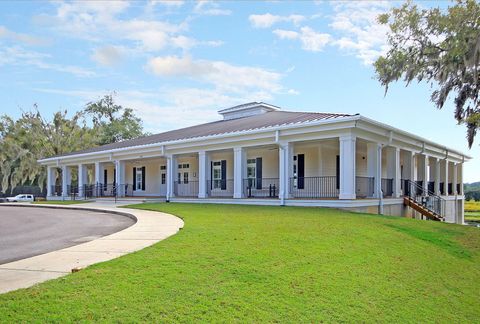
x: 185, y: 189
x: 364, y: 186
x: 314, y: 187
x: 56, y: 190
x: 430, y: 201
x: 220, y: 188
x: 387, y: 187
x: 261, y: 187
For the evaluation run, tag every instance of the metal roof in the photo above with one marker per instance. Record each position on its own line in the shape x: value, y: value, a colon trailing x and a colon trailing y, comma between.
x: 265, y: 120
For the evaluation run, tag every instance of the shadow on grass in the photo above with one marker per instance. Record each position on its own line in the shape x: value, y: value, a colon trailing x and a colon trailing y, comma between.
x: 440, y: 238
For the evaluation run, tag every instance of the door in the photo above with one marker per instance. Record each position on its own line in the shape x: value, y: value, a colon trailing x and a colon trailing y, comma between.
x: 163, y: 180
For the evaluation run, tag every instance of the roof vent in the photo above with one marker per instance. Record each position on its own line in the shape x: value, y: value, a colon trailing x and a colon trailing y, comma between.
x: 245, y: 110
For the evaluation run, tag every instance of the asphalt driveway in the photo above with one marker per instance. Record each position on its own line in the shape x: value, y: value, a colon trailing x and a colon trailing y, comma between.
x: 26, y: 232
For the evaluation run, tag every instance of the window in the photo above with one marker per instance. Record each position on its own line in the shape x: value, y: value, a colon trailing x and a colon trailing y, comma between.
x: 179, y: 177
x: 163, y: 167
x: 185, y: 177
x: 252, y: 173
x: 180, y: 166
x: 139, y: 179
x: 164, y: 177
x: 217, y: 175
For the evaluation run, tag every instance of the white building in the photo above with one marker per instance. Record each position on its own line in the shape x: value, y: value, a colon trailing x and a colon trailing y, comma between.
x: 259, y: 154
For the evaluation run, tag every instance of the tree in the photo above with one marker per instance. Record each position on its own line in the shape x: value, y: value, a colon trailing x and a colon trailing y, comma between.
x: 31, y: 137
x: 441, y: 47
x: 112, y: 122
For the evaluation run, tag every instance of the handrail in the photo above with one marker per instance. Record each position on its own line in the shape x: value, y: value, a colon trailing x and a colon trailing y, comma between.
x: 430, y: 201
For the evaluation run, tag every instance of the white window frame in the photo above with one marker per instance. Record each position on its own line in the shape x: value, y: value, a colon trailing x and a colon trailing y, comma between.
x: 138, y: 179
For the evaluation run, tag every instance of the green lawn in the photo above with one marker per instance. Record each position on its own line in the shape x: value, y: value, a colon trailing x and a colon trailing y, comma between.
x: 61, y: 202
x: 273, y: 264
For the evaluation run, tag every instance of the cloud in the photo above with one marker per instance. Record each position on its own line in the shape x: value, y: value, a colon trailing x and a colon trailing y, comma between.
x: 107, y: 55
x: 309, y: 38
x: 221, y: 74
x: 210, y: 8
x: 268, y: 20
x: 18, y: 56
x: 358, y: 31
x: 22, y: 38
x: 168, y: 3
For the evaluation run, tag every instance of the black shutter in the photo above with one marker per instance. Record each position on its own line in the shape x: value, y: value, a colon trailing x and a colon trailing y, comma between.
x: 224, y: 175
x: 114, y: 176
x: 258, y: 170
x: 143, y: 178
x: 134, y: 179
x: 301, y: 171
x: 338, y: 172
x: 105, y: 177
x: 211, y: 175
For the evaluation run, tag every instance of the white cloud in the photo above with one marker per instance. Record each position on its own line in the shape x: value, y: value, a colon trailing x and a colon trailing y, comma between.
x: 268, y: 20
x: 210, y: 8
x: 168, y: 3
x: 108, y: 55
x: 18, y: 56
x: 221, y: 74
x: 359, y: 32
x: 22, y: 38
x: 309, y: 38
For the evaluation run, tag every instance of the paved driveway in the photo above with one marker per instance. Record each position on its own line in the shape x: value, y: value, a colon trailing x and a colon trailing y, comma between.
x: 25, y: 232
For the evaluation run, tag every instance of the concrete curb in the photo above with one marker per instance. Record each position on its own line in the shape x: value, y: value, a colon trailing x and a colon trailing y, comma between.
x: 150, y: 228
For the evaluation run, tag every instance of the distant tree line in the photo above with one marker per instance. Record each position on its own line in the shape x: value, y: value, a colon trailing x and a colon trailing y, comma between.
x: 32, y: 137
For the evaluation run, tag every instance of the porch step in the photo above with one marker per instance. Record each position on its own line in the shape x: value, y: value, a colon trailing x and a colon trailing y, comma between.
x: 407, y: 201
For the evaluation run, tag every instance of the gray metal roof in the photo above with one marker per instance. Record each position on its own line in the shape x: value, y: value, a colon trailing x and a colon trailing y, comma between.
x: 269, y: 119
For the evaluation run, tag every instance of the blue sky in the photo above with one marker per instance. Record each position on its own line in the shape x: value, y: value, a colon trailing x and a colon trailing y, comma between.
x: 177, y: 63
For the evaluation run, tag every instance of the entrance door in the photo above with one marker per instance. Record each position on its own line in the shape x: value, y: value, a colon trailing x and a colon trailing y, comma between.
x: 163, y: 180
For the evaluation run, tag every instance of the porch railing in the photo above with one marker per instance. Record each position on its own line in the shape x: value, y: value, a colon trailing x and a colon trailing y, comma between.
x: 314, y: 187
x: 56, y: 190
x: 364, y: 186
x: 260, y: 187
x: 220, y: 188
x: 387, y: 187
x: 185, y: 189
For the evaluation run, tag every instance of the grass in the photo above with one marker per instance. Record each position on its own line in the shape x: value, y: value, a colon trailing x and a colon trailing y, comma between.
x: 61, y: 202
x: 273, y: 264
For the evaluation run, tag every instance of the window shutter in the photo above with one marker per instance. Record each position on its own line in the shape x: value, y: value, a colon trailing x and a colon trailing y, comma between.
x: 258, y: 168
x: 114, y: 176
x: 224, y: 174
x: 134, y: 178
x: 301, y: 171
x: 105, y: 177
x: 338, y: 172
x: 143, y: 178
x: 211, y: 175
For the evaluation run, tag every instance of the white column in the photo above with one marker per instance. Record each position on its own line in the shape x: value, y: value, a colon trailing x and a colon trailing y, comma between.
x: 445, y: 184
x: 120, y: 178
x: 82, y: 179
x: 374, y: 167
x: 66, y: 178
x: 347, y: 167
x: 238, y: 171
x: 455, y: 178
x: 393, y: 169
x: 425, y: 174
x: 50, y: 180
x: 171, y: 174
x: 98, y: 173
x: 460, y: 177
x: 437, y: 177
x: 202, y: 174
